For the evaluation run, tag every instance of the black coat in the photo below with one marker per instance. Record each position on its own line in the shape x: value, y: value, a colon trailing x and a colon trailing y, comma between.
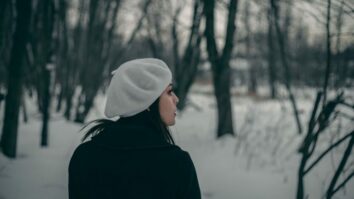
x: 131, y: 162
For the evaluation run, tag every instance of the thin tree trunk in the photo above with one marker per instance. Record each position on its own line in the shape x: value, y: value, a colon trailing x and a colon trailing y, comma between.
x: 340, y: 80
x: 24, y: 109
x: 44, y: 54
x: 220, y: 65
x: 135, y: 31
x: 68, y: 103
x: 100, y: 16
x: 339, y: 171
x: 252, y: 80
x: 15, y: 78
x: 175, y: 44
x: 6, y: 25
x: 86, y: 103
x: 300, y: 179
x: 46, y: 108
x: 328, y: 60
x: 271, y: 57
x: 285, y: 64
x: 187, y: 67
x: 223, y: 99
x: 60, y: 100
x: 305, y: 147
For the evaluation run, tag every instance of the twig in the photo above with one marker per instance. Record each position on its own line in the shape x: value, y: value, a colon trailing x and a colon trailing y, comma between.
x: 346, y: 116
x: 347, y: 104
x: 327, y: 150
x: 340, y: 168
x: 343, y: 183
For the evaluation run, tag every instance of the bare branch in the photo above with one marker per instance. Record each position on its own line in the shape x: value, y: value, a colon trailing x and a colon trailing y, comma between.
x: 347, y: 104
x: 340, y: 168
x: 133, y: 34
x: 328, y: 150
x: 346, y: 116
x: 341, y: 185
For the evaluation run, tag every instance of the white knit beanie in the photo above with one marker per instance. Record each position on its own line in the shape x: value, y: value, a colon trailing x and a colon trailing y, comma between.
x: 135, y: 85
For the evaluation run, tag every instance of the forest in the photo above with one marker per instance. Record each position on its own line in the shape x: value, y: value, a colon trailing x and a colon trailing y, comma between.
x: 56, y: 59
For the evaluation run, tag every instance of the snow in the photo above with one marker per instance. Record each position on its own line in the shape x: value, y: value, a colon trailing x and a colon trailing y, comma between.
x: 260, y: 162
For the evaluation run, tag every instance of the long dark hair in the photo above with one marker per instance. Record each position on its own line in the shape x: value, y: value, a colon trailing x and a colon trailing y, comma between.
x: 152, y: 115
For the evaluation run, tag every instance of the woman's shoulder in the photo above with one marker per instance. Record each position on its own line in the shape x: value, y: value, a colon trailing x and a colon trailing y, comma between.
x: 83, y: 148
x: 81, y: 154
x: 182, y: 157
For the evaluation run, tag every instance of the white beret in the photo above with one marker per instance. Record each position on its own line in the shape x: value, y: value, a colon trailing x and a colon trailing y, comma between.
x: 135, y: 85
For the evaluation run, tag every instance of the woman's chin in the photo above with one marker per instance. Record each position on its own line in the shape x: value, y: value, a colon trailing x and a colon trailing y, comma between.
x: 170, y: 123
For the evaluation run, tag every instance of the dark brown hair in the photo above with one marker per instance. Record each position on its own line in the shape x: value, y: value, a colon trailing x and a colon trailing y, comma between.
x: 152, y: 116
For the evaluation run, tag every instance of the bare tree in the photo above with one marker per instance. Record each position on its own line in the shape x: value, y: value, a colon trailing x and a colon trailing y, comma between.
x: 271, y: 54
x: 154, y: 27
x: 127, y: 45
x: 100, y: 28
x: 252, y: 85
x: 220, y: 64
x: 339, y: 62
x: 186, y: 65
x: 15, y: 78
x: 42, y: 51
x: 320, y: 120
x: 6, y: 31
x: 329, y: 55
x: 285, y: 63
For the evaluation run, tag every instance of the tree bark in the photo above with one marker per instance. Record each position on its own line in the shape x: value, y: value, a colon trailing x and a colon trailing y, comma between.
x: 43, y: 44
x: 46, y: 106
x: 24, y: 109
x: 339, y: 171
x: 98, y: 40
x: 15, y: 78
x: 186, y: 68
x: 252, y: 80
x: 220, y: 65
x: 329, y: 56
x: 271, y: 57
x: 285, y: 63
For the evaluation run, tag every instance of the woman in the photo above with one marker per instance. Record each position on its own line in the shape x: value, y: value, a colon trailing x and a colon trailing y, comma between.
x: 135, y: 156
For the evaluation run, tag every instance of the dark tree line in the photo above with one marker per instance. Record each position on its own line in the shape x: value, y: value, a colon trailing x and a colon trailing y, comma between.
x: 15, y: 77
x: 62, y: 52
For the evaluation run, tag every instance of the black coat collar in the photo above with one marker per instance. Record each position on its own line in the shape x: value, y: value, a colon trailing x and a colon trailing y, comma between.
x: 126, y: 134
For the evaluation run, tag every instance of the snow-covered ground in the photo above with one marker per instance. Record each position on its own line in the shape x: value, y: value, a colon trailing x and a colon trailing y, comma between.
x: 259, y: 163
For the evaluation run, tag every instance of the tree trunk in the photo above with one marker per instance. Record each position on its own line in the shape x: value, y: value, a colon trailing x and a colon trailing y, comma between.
x: 86, y: 102
x: 24, y: 109
x: 221, y: 65
x: 15, y: 78
x: 252, y: 80
x: 329, y: 55
x: 284, y: 60
x: 300, y: 179
x: 271, y: 57
x: 46, y: 108
x: 68, y: 103
x: 101, y: 14
x: 6, y: 27
x: 186, y: 68
x: 340, y: 168
x: 340, y: 66
x: 59, y: 100
x: 221, y: 81
x: 43, y: 44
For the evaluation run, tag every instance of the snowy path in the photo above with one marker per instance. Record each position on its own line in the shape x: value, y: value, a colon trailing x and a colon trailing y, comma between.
x: 260, y: 163
x: 39, y: 172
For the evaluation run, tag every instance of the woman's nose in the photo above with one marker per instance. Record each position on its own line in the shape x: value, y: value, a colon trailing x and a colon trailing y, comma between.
x: 176, y: 99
